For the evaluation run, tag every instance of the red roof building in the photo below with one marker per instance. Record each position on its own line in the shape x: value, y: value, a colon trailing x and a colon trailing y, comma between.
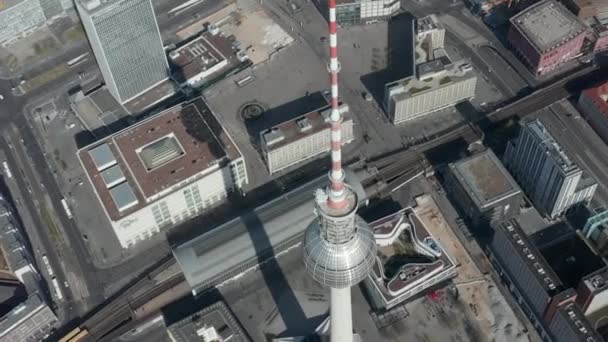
x: 593, y: 103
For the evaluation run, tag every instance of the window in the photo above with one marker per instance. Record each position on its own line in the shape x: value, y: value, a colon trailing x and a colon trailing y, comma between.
x: 161, y: 213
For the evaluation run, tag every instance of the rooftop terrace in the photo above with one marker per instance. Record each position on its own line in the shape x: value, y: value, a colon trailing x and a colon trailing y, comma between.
x: 431, y: 76
x: 409, y: 258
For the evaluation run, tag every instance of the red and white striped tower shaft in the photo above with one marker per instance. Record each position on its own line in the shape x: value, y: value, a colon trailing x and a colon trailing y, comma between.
x: 337, y: 198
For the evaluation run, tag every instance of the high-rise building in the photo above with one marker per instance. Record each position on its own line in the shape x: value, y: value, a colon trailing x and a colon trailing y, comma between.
x: 302, y: 138
x: 126, y: 41
x: 163, y: 170
x: 436, y: 86
x: 552, y: 181
x: 527, y: 274
x: 431, y: 33
x: 570, y: 325
x: 339, y: 247
x: 485, y: 190
x: 546, y: 35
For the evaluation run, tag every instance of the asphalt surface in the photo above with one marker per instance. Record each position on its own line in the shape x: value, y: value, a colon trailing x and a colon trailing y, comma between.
x: 36, y: 178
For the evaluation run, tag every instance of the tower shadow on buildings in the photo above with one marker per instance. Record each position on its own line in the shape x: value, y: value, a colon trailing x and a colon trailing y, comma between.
x: 285, y: 300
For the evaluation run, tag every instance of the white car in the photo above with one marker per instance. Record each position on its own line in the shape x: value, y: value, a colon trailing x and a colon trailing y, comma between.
x: 1, y: 97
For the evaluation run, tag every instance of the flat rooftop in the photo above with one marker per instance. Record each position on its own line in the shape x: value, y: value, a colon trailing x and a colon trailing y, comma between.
x: 547, y: 24
x: 300, y: 127
x: 151, y: 97
x: 224, y: 251
x: 551, y: 146
x: 94, y: 6
x: 142, y: 163
x: 202, y: 53
x: 213, y: 319
x: 427, y: 24
x: 484, y: 177
x: 596, y: 281
x: 99, y: 110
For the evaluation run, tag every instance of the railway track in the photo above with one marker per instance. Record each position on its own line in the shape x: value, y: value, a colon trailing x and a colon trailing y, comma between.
x: 393, y: 170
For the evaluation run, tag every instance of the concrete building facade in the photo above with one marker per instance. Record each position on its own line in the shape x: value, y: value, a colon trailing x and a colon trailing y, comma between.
x: 126, y: 41
x: 546, y: 35
x: 593, y: 104
x: 430, y: 33
x: 552, y: 181
x: 436, y: 86
x: 528, y: 276
x: 302, y: 138
x: 163, y: 170
x: 569, y: 324
x: 485, y: 190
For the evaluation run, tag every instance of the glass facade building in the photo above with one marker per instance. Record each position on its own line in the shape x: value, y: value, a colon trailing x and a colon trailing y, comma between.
x: 352, y: 12
x: 125, y: 38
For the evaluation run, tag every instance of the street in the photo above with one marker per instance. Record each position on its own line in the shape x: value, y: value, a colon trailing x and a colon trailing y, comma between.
x: 58, y: 236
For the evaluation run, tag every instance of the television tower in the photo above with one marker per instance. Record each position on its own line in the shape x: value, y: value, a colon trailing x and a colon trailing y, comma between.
x: 339, y: 247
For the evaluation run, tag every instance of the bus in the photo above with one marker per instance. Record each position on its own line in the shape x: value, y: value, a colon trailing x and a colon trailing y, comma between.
x: 7, y: 170
x: 57, y: 288
x: 66, y: 208
x: 47, y: 264
x: 80, y: 59
x: 244, y: 81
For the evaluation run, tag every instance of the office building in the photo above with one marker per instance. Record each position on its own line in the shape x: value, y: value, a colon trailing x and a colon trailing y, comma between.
x: 546, y: 35
x: 30, y: 321
x: 126, y: 41
x: 396, y: 277
x: 529, y: 277
x: 593, y: 104
x: 163, y: 170
x: 569, y: 324
x: 302, y: 138
x: 552, y: 181
x: 351, y: 12
x: 485, y: 190
x: 430, y: 33
x: 214, y: 322
x: 436, y: 86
